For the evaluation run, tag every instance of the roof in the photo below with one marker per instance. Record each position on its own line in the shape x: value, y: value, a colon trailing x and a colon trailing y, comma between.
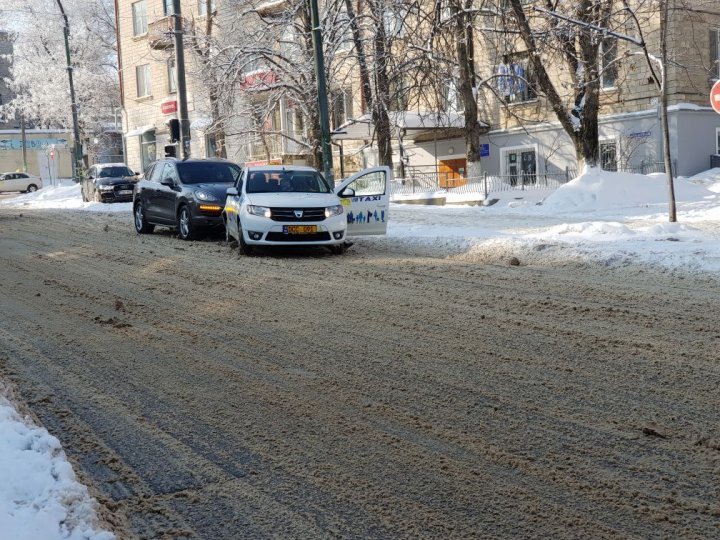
x: 280, y: 168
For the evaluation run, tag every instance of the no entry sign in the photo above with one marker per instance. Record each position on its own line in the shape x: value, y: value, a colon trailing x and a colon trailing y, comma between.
x: 715, y: 97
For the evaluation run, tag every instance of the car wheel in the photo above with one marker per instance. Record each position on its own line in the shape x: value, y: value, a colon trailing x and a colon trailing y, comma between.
x: 141, y: 224
x: 185, y: 227
x: 31, y: 188
x: 244, y: 247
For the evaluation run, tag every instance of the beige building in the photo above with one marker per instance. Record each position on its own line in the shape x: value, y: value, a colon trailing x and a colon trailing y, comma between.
x: 148, y: 81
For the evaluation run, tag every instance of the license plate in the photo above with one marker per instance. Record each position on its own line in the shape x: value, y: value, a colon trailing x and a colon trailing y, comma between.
x: 125, y: 192
x: 300, y: 229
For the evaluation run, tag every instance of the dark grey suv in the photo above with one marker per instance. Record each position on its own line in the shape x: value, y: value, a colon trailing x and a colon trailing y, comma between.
x: 188, y: 195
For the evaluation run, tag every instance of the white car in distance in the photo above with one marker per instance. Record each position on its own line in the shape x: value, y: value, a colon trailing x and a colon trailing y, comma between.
x: 291, y: 206
x: 19, y: 181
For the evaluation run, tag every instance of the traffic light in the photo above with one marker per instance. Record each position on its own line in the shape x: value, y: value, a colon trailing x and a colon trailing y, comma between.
x: 174, y: 125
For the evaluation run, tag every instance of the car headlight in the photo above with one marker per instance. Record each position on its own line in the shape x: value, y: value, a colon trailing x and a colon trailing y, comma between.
x: 204, y: 195
x: 262, y: 211
x: 106, y: 188
x: 331, y: 211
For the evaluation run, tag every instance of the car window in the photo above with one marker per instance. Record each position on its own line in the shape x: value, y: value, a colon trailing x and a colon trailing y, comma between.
x: 22, y: 175
x: 372, y: 183
x: 288, y: 181
x: 170, y: 172
x: 156, y: 174
x: 208, y: 172
x: 110, y: 172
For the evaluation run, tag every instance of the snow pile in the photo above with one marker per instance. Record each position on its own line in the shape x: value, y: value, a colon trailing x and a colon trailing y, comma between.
x: 597, y: 190
x: 709, y: 179
x: 39, y: 495
x: 65, y: 196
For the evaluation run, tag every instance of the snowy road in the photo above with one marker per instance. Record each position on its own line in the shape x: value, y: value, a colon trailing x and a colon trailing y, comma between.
x: 387, y: 393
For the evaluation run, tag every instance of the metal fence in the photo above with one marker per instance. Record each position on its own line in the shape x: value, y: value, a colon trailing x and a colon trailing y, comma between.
x: 421, y: 181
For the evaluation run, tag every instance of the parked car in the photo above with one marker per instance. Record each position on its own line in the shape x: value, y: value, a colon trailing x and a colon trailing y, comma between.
x: 108, y: 182
x: 291, y: 206
x: 19, y: 181
x: 188, y: 195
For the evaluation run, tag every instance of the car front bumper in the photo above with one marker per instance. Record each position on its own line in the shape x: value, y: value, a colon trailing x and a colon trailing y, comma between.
x: 263, y: 231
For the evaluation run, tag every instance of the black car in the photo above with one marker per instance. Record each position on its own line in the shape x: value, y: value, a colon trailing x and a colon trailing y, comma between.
x: 109, y: 182
x: 188, y: 195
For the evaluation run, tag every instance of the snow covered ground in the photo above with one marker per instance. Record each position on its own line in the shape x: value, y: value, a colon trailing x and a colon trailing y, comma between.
x: 606, y: 218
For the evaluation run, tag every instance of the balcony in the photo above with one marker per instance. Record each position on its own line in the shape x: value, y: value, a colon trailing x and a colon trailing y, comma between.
x: 160, y: 36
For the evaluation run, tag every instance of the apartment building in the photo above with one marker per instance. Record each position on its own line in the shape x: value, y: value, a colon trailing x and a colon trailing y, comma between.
x: 148, y: 81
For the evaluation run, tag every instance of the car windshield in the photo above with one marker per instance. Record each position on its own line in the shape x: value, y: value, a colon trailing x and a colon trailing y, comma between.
x: 287, y: 181
x: 209, y: 172
x: 112, y: 172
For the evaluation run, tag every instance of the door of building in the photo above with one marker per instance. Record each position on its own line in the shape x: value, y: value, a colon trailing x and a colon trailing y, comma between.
x: 452, y: 172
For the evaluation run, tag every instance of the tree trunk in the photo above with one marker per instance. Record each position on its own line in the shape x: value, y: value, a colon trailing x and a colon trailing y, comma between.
x: 219, y: 129
x: 365, y: 85
x: 672, y: 212
x: 465, y: 49
x: 381, y: 103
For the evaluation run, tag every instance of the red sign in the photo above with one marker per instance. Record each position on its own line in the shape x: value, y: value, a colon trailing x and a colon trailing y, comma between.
x: 715, y: 97
x: 168, y: 107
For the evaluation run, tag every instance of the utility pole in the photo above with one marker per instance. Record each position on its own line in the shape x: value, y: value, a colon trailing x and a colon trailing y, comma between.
x: 24, y: 142
x: 181, y: 87
x: 322, y: 94
x: 77, y: 161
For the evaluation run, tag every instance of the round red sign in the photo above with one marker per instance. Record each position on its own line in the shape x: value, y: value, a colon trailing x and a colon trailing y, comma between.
x: 715, y: 97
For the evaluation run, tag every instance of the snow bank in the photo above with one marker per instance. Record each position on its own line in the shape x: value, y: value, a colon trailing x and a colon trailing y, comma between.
x: 597, y: 190
x: 40, y: 497
x: 65, y: 196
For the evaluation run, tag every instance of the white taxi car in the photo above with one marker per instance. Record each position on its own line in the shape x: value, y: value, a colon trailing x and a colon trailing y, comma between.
x: 290, y: 206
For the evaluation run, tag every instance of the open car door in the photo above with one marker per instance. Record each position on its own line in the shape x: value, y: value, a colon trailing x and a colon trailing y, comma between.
x: 366, y: 198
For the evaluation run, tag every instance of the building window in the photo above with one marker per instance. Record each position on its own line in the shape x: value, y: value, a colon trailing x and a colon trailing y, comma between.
x: 516, y: 80
x: 342, y: 107
x: 167, y: 7
x: 715, y: 54
x: 139, y: 15
x: 172, y: 75
x: 452, y: 98
x: 142, y: 74
x: 608, y: 66
x: 147, y: 148
x: 203, y: 7
x: 520, y: 165
x: 210, y: 146
x: 608, y: 155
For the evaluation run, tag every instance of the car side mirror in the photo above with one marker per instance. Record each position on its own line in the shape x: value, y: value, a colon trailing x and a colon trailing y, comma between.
x: 232, y: 192
x: 169, y: 182
x: 347, y: 192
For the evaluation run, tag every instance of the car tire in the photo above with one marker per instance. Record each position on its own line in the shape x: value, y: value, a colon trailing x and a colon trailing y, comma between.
x: 141, y: 223
x: 186, y: 229
x: 244, y: 247
x: 31, y: 188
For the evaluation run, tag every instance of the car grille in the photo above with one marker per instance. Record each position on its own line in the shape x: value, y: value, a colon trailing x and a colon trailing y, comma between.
x: 288, y: 214
x: 123, y: 187
x: 281, y: 237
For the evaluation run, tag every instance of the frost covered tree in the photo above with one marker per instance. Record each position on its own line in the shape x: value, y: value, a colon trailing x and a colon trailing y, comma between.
x: 39, y: 75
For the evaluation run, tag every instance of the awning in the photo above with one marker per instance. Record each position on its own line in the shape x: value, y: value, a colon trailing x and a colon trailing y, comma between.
x: 414, y: 125
x: 139, y: 131
x: 201, y: 124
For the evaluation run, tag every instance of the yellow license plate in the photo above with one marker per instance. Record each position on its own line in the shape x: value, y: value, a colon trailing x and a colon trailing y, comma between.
x: 300, y: 229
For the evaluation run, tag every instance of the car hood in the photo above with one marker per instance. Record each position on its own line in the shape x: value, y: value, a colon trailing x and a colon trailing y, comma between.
x: 293, y: 200
x: 219, y: 191
x: 115, y: 180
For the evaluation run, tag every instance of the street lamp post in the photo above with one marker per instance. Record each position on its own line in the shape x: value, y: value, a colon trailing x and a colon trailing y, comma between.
x: 322, y: 93
x: 181, y: 86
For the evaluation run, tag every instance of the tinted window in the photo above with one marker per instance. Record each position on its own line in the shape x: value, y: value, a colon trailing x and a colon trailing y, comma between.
x: 286, y: 181
x: 110, y: 172
x: 207, y: 172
